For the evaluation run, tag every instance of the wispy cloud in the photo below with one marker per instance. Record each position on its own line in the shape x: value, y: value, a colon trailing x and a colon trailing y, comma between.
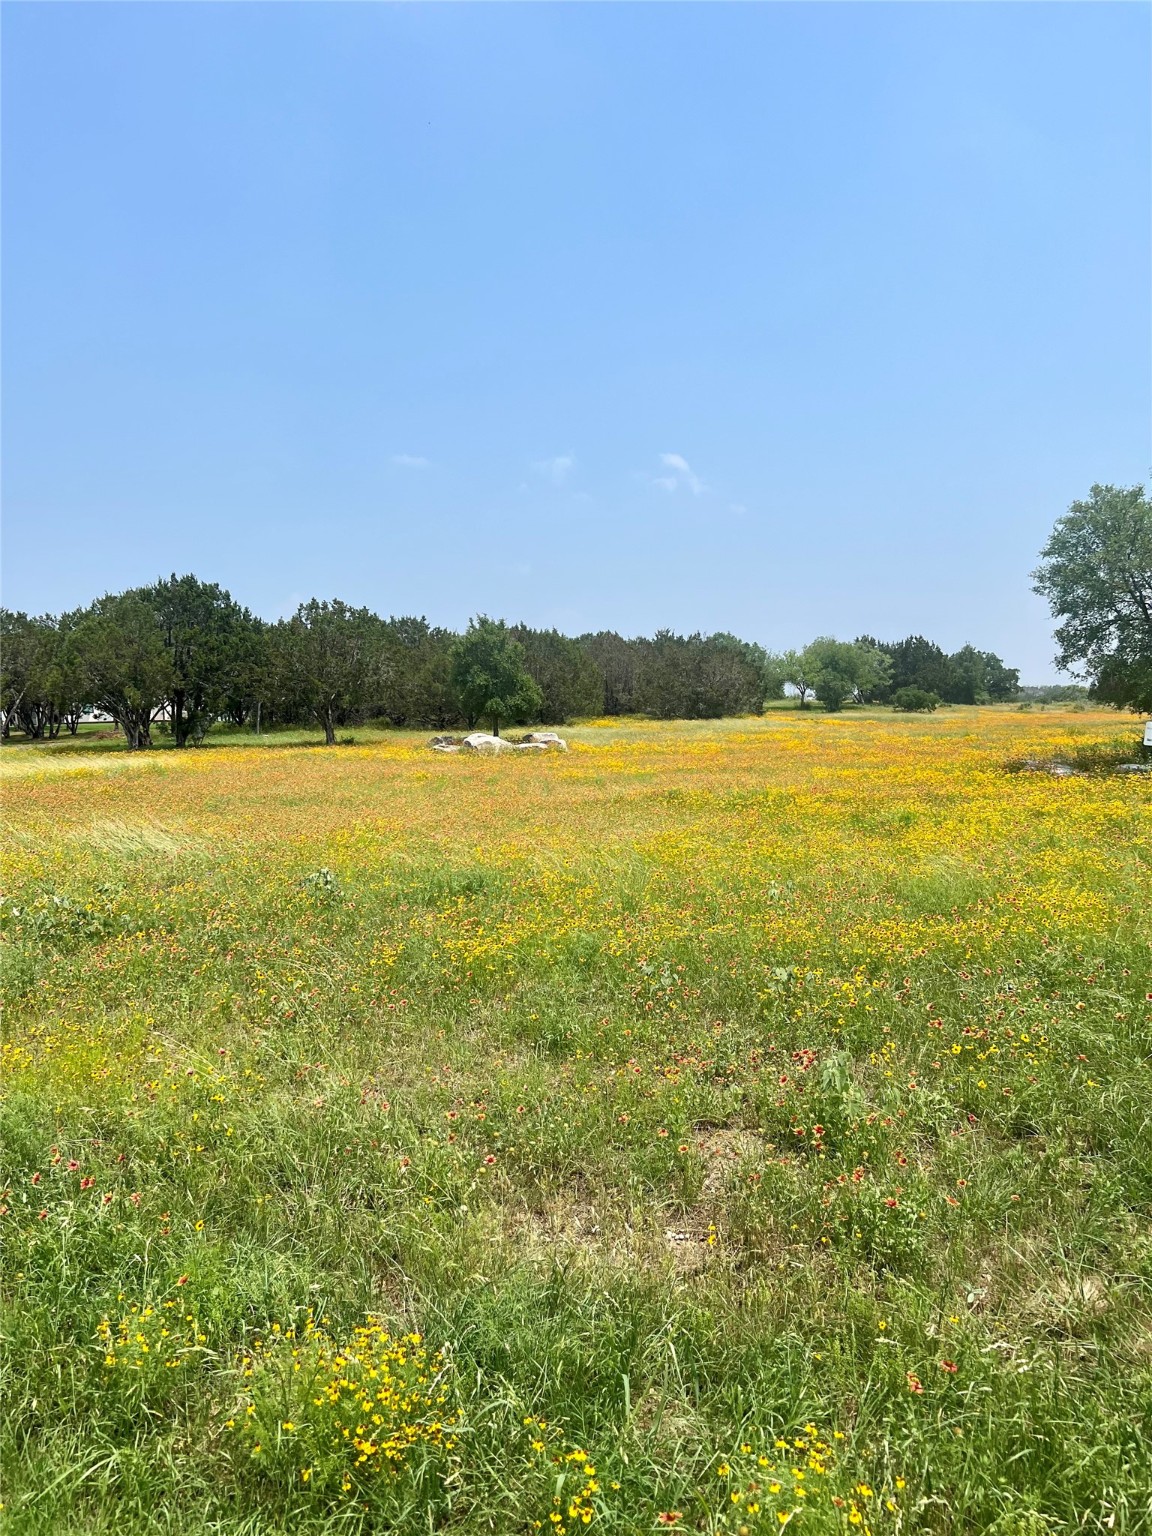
x: 409, y: 461
x: 682, y: 474
x: 557, y: 469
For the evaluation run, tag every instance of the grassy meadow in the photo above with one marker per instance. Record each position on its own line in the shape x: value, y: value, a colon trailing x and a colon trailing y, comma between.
x: 721, y: 1127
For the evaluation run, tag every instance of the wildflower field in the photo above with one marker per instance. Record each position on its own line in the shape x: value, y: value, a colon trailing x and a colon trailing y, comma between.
x: 719, y: 1127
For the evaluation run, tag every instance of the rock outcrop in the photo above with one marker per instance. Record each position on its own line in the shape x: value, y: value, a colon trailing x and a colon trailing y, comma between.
x: 544, y: 739
x: 493, y: 746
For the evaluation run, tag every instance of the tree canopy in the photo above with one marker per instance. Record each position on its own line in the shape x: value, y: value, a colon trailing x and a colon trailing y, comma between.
x: 490, y: 675
x: 1096, y: 572
x: 327, y: 659
x: 835, y: 669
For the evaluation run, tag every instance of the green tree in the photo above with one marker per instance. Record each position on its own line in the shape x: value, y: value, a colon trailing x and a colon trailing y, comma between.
x: 873, y: 672
x: 29, y: 657
x: 489, y: 674
x: 835, y: 669
x: 918, y: 663
x: 570, y: 682
x: 209, y: 641
x: 700, y: 677
x: 327, y: 662
x: 772, y: 675
x: 967, y: 684
x: 1002, y: 682
x: 795, y: 671
x: 979, y: 677
x: 417, y: 674
x: 618, y: 662
x: 663, y: 685
x: 732, y: 676
x: 117, y: 650
x: 1126, y: 684
x: 67, y: 686
x: 1096, y: 572
x: 249, y: 685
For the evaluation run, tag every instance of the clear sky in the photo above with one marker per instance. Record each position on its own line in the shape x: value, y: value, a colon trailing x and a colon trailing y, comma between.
x: 783, y: 319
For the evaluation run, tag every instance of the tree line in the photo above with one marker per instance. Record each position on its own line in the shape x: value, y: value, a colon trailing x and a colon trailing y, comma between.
x: 184, y: 653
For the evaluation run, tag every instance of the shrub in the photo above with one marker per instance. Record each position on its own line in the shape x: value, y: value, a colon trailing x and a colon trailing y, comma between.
x: 914, y: 700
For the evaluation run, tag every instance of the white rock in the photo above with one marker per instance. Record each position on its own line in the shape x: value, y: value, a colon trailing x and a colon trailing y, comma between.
x: 490, y: 746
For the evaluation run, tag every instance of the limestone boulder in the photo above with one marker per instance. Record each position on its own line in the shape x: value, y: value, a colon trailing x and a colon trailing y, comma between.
x: 545, y: 739
x: 495, y: 746
x: 487, y: 746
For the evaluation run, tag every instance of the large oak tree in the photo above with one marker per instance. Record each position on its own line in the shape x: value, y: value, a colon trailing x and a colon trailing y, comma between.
x: 1096, y: 572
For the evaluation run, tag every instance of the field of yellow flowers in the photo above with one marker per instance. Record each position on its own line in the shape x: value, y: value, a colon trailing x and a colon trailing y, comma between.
x: 719, y: 1127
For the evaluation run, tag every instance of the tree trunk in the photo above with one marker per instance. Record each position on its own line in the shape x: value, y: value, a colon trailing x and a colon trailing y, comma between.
x: 495, y: 725
x: 135, y: 725
x: 179, y: 735
x: 329, y: 729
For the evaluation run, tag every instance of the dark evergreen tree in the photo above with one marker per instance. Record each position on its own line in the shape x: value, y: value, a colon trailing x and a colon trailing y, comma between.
x: 618, y: 661
x: 918, y: 663
x: 695, y: 677
x: 29, y: 661
x: 118, y: 649
x: 417, y: 675
x: 327, y: 661
x: 209, y: 642
x: 570, y: 682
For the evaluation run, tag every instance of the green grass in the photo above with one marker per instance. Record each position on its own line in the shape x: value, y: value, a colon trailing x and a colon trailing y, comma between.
x: 594, y: 971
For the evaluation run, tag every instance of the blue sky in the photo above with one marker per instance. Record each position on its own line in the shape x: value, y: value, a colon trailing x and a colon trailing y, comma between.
x: 784, y: 319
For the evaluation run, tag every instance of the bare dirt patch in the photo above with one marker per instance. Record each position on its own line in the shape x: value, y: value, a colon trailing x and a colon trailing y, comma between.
x: 726, y: 1148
